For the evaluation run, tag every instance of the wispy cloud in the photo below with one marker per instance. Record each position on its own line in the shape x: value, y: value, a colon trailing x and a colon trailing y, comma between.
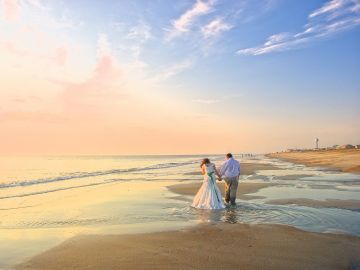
x: 173, y: 70
x: 185, y: 21
x: 215, y: 28
x: 139, y: 35
x: 333, y: 17
x: 140, y: 32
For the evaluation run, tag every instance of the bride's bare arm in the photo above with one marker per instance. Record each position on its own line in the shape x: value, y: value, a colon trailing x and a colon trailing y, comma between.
x: 202, y: 170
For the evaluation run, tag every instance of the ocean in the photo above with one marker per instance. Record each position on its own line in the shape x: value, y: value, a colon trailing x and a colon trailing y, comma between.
x: 45, y: 200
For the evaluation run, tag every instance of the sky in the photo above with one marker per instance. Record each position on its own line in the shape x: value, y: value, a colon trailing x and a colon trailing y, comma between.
x: 177, y: 77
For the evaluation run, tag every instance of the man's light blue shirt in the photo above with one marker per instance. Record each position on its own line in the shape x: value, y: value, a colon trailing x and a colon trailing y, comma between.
x: 230, y: 168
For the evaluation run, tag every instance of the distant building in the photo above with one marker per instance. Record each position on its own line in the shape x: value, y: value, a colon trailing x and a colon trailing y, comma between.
x: 357, y: 146
x: 346, y: 146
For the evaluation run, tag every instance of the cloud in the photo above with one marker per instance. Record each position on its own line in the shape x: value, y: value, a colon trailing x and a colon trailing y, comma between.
x: 215, y: 28
x: 333, y: 17
x: 11, y: 10
x: 140, y: 32
x: 173, y: 70
x: 103, y: 46
x: 61, y: 55
x: 185, y: 21
x: 329, y: 7
x: 103, y: 84
x: 139, y: 35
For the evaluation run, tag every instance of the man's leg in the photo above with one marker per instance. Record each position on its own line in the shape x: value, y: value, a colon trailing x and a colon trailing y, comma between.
x: 227, y: 189
x: 233, y: 189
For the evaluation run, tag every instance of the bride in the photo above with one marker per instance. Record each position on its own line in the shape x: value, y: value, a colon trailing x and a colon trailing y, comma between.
x: 208, y: 196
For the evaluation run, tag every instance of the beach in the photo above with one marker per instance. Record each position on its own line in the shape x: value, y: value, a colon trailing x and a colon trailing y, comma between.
x: 239, y: 246
x: 287, y: 217
x: 346, y: 160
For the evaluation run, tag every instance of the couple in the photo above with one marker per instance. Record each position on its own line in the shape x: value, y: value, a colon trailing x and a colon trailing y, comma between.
x: 209, y: 196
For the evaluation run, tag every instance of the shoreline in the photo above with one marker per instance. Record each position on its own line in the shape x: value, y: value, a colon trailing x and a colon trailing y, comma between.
x: 206, y: 245
x: 221, y: 246
x: 345, y: 160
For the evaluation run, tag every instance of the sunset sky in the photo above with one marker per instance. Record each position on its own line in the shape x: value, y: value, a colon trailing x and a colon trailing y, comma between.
x: 177, y: 77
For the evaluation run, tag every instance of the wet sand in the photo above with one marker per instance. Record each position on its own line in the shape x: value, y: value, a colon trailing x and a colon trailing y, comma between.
x: 243, y: 189
x: 225, y: 246
x: 332, y: 203
x: 246, y: 189
x: 347, y: 160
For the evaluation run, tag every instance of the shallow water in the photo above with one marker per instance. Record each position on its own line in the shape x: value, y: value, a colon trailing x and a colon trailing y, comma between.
x: 45, y: 200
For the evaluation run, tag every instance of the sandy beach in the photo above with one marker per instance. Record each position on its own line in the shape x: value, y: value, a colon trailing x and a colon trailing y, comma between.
x: 226, y: 246
x: 347, y: 160
x: 210, y: 244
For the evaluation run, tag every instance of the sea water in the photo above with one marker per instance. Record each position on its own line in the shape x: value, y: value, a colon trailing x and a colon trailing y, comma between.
x: 45, y: 200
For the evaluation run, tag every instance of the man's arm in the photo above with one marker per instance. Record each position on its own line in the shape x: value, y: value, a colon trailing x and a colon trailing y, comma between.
x: 217, y: 173
x: 223, y: 168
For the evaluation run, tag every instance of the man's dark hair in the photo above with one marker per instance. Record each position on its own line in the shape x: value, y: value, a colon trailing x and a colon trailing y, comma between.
x: 229, y: 155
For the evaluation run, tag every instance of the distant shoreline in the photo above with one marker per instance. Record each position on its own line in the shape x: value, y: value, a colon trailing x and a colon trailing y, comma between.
x: 345, y: 160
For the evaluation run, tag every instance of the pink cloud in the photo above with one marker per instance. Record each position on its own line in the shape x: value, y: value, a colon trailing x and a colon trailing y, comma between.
x: 61, y: 56
x: 102, y: 88
x: 11, y: 10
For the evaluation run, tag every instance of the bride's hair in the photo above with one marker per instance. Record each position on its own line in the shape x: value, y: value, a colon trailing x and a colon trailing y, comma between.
x: 205, y: 161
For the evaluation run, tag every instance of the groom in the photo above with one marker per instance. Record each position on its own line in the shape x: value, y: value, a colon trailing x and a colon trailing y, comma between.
x: 230, y: 172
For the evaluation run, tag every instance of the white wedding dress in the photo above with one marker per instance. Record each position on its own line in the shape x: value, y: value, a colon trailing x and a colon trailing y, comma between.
x: 209, y: 195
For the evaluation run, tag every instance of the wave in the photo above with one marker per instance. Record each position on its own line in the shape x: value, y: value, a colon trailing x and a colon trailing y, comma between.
x: 92, y: 174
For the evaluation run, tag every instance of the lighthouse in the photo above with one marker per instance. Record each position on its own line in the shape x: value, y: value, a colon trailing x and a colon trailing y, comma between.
x: 317, y: 143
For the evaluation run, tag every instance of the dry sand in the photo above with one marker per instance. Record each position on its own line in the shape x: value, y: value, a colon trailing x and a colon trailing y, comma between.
x: 347, y: 160
x: 225, y: 246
